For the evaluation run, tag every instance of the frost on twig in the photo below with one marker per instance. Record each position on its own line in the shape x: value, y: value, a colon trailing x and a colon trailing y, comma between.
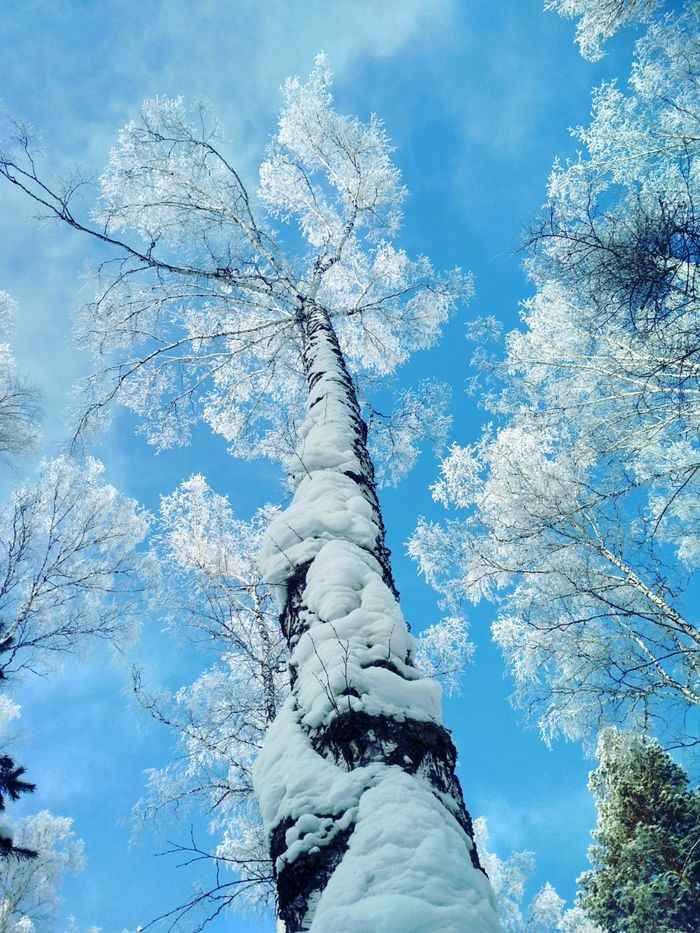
x: 599, y: 20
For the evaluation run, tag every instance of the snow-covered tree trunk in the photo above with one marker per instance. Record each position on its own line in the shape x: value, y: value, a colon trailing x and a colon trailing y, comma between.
x: 356, y: 780
x: 357, y: 786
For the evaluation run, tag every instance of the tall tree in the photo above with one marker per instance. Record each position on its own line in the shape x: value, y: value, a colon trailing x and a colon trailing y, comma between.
x: 212, y: 591
x: 646, y: 857
x: 582, y: 506
x: 270, y: 347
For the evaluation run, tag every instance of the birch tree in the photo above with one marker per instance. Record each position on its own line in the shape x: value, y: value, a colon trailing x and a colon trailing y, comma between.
x: 69, y: 574
x: 268, y: 318
x: 582, y: 501
x: 213, y: 594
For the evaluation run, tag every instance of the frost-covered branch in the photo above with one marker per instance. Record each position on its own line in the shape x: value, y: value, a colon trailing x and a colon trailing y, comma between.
x: 600, y: 19
x: 213, y: 595
x: 579, y: 507
x: 417, y: 416
x: 69, y: 569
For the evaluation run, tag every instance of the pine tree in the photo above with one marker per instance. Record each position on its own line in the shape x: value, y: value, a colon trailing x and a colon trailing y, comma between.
x: 646, y: 857
x: 12, y: 785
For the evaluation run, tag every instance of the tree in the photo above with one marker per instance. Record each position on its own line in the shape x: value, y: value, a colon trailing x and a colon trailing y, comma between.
x: 68, y: 568
x: 508, y: 878
x: 29, y: 900
x: 583, y: 501
x: 646, y: 857
x: 212, y: 590
x: 356, y: 781
x: 38, y: 850
x: 42, y: 849
x: 69, y: 573
x: 546, y: 912
x: 12, y: 786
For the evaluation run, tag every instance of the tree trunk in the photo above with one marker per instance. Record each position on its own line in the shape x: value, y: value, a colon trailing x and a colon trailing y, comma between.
x: 367, y: 825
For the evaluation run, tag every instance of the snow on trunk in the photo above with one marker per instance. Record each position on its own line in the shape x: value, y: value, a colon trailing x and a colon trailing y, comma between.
x: 356, y: 782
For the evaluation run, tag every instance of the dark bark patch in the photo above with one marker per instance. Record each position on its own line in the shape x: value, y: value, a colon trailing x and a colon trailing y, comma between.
x: 289, y: 617
x: 307, y: 875
x: 387, y: 666
x: 354, y: 739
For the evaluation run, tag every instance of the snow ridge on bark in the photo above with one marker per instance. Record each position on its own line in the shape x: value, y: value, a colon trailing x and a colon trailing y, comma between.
x: 356, y: 780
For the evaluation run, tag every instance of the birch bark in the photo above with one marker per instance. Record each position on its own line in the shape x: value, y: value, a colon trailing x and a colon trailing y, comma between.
x: 357, y: 784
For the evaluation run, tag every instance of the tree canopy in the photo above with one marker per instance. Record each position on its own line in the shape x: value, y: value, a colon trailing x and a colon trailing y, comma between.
x: 646, y: 856
x: 582, y: 497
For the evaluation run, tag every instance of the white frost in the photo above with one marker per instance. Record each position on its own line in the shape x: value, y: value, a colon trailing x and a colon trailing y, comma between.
x: 398, y: 848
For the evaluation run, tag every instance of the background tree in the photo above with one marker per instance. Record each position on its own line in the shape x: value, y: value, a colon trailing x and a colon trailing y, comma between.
x: 69, y: 574
x: 646, y: 860
x: 20, y: 409
x: 69, y: 571
x: 68, y: 568
x: 356, y: 780
x: 545, y: 913
x: 68, y: 564
x: 583, y: 504
x: 30, y: 885
x: 29, y: 888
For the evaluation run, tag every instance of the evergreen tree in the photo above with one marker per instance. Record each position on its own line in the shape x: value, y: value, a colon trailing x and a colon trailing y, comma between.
x: 12, y: 785
x: 646, y: 857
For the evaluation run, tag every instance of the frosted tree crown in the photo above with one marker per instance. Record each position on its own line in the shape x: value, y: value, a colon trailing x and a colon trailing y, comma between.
x: 211, y: 304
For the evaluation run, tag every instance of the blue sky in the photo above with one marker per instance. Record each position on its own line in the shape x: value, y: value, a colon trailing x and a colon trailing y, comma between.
x: 477, y: 97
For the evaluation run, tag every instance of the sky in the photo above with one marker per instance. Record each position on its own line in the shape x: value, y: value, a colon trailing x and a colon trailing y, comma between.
x: 478, y: 99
